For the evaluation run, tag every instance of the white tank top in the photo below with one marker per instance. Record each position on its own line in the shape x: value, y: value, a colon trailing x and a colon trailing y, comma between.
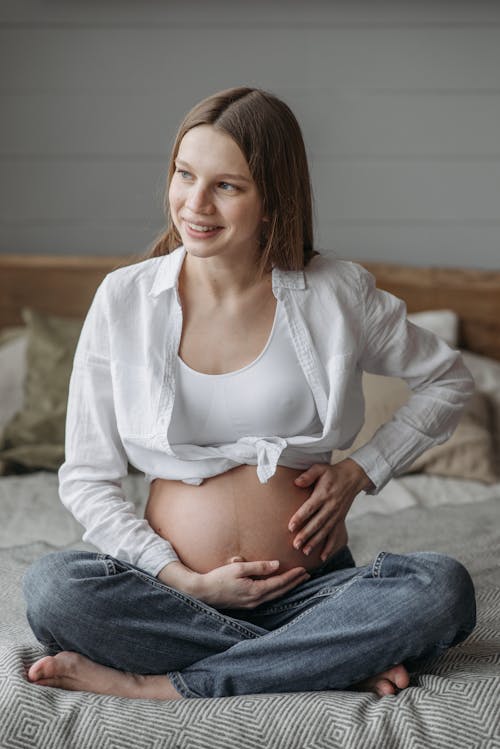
x: 269, y: 397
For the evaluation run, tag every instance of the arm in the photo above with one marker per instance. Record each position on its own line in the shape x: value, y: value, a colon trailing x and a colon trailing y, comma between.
x: 90, y: 487
x: 96, y: 462
x: 441, y: 386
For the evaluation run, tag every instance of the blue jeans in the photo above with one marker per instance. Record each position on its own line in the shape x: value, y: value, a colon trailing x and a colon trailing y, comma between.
x: 343, y: 625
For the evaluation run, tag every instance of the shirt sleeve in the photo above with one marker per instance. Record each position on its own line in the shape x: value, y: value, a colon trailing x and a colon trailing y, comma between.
x: 435, y: 373
x: 90, y: 479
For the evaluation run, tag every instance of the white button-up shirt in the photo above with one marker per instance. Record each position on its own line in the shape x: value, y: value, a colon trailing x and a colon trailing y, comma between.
x: 122, y: 392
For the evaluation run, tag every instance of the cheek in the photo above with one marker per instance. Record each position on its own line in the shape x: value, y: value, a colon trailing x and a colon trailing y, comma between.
x: 250, y: 216
x: 174, y: 199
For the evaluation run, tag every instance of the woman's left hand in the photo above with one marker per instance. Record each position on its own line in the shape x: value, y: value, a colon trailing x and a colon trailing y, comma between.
x: 323, y: 513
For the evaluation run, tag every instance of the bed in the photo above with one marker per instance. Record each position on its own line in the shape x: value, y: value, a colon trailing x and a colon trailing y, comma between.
x: 453, y: 701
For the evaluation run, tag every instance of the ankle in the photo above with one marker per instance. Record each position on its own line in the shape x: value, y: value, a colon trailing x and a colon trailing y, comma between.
x: 155, y: 687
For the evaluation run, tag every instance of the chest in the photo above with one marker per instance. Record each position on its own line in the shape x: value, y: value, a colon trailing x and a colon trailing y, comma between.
x: 268, y: 397
x: 220, y: 340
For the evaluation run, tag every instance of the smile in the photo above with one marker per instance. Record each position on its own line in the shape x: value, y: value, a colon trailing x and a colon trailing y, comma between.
x: 198, y: 227
x: 201, y: 231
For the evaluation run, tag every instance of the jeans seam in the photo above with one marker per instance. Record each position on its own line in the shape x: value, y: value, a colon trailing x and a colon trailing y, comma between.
x: 49, y: 644
x: 377, y: 564
x: 333, y: 593
x: 296, y: 604
x: 181, y: 686
x: 194, y: 603
x: 108, y: 562
x: 279, y: 609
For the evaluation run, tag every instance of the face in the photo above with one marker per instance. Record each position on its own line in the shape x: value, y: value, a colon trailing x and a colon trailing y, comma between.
x: 214, y: 202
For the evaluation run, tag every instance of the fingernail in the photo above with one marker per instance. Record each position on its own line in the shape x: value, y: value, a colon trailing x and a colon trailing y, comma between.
x: 296, y: 545
x: 307, y: 550
x: 292, y: 527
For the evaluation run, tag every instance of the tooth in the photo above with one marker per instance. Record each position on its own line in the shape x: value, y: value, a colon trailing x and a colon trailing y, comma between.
x: 196, y: 227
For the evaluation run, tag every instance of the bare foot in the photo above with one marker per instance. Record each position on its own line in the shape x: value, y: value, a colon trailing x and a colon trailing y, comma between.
x: 75, y: 672
x: 388, y: 682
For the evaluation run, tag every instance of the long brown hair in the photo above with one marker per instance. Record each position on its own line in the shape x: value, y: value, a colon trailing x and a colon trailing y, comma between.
x: 269, y: 136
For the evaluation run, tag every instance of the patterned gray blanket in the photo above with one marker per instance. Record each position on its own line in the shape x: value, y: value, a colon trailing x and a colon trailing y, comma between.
x: 453, y: 701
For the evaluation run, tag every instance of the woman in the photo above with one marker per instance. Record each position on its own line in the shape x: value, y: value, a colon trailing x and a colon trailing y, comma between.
x: 226, y: 367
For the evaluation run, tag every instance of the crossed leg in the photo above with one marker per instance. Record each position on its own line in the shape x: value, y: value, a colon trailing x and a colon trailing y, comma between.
x: 56, y: 614
x: 68, y: 670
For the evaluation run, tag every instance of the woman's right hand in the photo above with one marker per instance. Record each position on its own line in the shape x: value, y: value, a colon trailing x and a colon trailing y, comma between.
x: 237, y: 585
x: 245, y: 585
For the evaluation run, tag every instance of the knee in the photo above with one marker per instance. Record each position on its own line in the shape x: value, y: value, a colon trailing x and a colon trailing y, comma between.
x: 449, y: 596
x: 42, y: 585
x: 47, y: 586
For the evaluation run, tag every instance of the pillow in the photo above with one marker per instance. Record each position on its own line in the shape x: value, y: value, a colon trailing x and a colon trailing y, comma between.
x: 469, y: 452
x: 34, y: 436
x: 7, y: 335
x: 486, y: 374
x: 12, y: 372
x: 443, y: 323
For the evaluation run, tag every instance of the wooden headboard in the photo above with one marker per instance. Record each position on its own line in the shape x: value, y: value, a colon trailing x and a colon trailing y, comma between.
x: 65, y: 285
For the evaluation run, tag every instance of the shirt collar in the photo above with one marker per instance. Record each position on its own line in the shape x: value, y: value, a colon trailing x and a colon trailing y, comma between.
x: 168, y: 271
x: 171, y: 264
x: 288, y: 279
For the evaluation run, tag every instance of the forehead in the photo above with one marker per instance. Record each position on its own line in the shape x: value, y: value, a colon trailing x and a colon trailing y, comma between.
x: 208, y: 148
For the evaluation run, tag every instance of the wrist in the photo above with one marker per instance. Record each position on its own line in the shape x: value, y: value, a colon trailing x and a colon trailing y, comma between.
x: 363, y: 481
x: 177, y: 575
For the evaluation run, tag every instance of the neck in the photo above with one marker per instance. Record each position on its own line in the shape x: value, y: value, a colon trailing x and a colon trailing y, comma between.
x: 219, y: 278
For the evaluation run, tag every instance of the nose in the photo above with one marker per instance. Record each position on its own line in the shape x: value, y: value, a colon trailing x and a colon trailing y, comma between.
x: 198, y: 200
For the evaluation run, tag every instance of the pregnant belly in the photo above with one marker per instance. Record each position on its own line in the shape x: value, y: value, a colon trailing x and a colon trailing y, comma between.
x: 229, y: 515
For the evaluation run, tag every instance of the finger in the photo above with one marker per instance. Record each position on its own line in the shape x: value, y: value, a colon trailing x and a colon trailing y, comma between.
x: 328, y: 546
x: 311, y: 475
x: 252, y: 569
x: 262, y: 585
x: 315, y: 540
x: 321, y: 522
x: 305, y: 511
x: 273, y: 587
x: 290, y: 585
x: 323, y: 515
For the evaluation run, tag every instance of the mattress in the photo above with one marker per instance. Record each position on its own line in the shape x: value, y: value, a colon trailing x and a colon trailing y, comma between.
x: 452, y: 701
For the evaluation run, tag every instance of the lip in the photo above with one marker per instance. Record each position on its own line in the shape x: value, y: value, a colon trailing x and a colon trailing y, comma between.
x: 201, y: 234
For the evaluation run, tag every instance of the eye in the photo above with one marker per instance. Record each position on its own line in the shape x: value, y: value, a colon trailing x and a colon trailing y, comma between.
x: 227, y: 187
x: 183, y: 173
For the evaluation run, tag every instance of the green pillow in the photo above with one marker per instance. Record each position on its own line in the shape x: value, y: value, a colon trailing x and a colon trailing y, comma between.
x: 34, y: 438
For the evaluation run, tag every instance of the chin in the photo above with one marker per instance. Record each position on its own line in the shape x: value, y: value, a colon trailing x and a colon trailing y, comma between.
x: 200, y: 251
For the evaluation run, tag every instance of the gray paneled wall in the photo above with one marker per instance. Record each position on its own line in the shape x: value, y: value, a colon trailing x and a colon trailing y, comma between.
x: 399, y: 104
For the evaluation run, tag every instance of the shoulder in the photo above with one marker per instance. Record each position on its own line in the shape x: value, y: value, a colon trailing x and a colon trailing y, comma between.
x: 130, y: 275
x: 134, y: 283
x: 329, y: 272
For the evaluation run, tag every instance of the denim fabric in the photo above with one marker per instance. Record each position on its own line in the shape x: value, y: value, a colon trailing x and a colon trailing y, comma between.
x: 343, y: 625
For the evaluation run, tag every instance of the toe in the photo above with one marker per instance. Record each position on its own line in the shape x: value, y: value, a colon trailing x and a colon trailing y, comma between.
x: 398, y: 675
x: 401, y: 678
x: 384, y: 687
x: 42, y: 669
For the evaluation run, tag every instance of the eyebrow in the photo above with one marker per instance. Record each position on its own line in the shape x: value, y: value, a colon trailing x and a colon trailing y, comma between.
x: 180, y: 162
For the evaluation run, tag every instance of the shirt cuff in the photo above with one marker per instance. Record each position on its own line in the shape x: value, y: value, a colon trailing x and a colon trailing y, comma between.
x: 152, y: 560
x: 374, y: 465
